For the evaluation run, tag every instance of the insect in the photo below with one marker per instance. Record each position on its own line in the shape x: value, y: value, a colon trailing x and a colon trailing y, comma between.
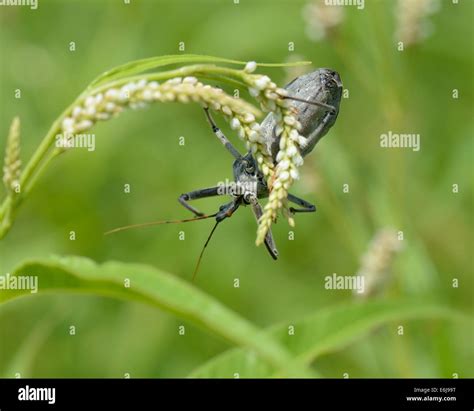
x: 315, y: 97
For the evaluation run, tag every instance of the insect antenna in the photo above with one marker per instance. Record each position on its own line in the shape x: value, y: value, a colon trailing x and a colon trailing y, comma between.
x: 313, y: 102
x: 203, y: 249
x: 152, y: 223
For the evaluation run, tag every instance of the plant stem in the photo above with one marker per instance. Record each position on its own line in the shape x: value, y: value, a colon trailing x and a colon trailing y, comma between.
x: 38, y: 161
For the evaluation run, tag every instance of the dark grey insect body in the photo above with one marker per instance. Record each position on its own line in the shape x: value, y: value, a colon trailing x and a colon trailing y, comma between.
x: 320, y: 86
x: 315, y: 97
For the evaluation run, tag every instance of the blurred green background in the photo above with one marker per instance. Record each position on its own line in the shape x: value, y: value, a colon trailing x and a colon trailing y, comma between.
x: 407, y: 91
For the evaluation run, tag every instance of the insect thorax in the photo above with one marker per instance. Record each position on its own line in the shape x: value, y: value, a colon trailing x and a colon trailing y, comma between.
x: 248, y: 177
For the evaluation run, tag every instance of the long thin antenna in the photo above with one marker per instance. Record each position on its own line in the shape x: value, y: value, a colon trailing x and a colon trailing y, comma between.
x: 202, y: 251
x: 187, y: 220
x: 313, y: 102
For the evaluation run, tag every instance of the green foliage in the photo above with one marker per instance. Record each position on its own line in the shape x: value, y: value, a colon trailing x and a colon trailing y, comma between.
x: 326, y: 331
x: 281, y: 350
x: 151, y: 286
x: 139, y: 66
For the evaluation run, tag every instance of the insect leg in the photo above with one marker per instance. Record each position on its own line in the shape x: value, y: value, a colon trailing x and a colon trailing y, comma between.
x: 220, y: 135
x: 194, y: 195
x: 307, y: 207
x: 228, y: 209
x: 269, y: 242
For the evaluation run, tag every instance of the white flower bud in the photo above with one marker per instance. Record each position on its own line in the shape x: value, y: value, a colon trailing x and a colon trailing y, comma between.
x: 174, y: 81
x: 141, y: 84
x: 76, y: 112
x: 250, y: 67
x: 90, y: 111
x: 84, y: 125
x: 291, y: 151
x: 281, y: 193
x: 294, y: 174
x: 282, y: 143
x: 298, y: 160
x: 68, y: 124
x: 90, y: 101
x: 111, y: 94
x: 249, y: 118
x: 262, y: 82
x: 289, y: 120
x: 271, y: 95
x: 256, y: 127
x: 129, y: 88
x: 294, y: 135
x: 169, y: 96
x: 301, y: 140
x: 254, y: 92
x: 254, y: 136
x: 278, y: 130
x: 234, y: 124
x: 124, y: 95
x: 99, y: 98
x: 283, y: 165
x: 215, y: 106
x: 190, y: 80
x: 147, y: 95
x: 183, y: 98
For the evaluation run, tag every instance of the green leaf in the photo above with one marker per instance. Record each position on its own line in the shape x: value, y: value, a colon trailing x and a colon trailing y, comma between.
x: 151, y: 286
x: 327, y: 330
x: 139, y: 66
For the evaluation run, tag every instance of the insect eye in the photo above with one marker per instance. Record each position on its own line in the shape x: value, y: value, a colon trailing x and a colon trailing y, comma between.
x: 250, y: 169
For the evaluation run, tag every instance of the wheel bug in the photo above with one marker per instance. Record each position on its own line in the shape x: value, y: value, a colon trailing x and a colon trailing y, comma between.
x: 315, y: 97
